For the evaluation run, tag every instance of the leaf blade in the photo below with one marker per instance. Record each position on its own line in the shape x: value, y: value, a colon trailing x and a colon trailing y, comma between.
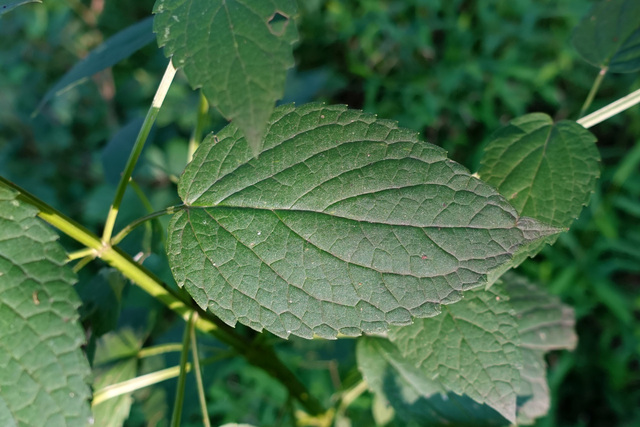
x: 609, y: 36
x: 43, y: 371
x: 314, y: 236
x: 544, y: 324
x: 416, y: 398
x: 472, y: 348
x: 237, y: 51
x: 546, y: 170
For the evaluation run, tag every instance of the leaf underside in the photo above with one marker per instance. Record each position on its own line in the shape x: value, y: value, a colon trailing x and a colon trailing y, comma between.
x: 609, y: 36
x: 489, y: 347
x: 43, y: 371
x: 343, y: 224
x: 237, y: 51
x: 544, y: 324
x: 417, y: 399
x: 472, y: 349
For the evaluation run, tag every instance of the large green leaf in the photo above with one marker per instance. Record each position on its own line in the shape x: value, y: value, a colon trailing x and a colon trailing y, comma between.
x: 471, y: 349
x: 115, y: 49
x: 237, y: 51
x: 546, y: 170
x: 609, y: 36
x: 416, y: 398
x: 343, y: 224
x: 43, y: 371
x: 544, y: 324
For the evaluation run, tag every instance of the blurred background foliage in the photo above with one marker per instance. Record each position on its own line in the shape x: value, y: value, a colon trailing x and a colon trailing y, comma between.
x: 455, y: 70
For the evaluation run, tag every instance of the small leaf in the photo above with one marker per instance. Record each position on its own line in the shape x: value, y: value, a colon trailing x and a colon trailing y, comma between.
x: 344, y: 224
x: 471, y: 349
x: 43, y: 371
x: 546, y: 170
x: 7, y: 5
x: 115, y: 49
x: 237, y: 51
x: 415, y: 398
x: 609, y: 36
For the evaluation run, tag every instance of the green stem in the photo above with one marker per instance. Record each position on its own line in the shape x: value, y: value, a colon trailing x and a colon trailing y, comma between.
x: 593, y: 91
x: 182, y: 379
x: 82, y: 263
x: 198, y: 375
x: 129, y: 228
x: 159, y: 349
x: 128, y: 386
x: 610, y: 110
x: 147, y: 238
x: 149, y: 120
x: 133, y: 384
x: 260, y: 356
x: 71, y: 256
x: 196, y: 136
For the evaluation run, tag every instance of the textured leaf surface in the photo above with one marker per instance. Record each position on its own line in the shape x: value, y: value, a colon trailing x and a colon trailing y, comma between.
x: 115, y: 49
x: 609, y: 36
x: 237, y: 51
x: 544, y: 324
x: 546, y: 170
x: 43, y: 370
x: 416, y: 398
x: 471, y: 349
x: 344, y: 223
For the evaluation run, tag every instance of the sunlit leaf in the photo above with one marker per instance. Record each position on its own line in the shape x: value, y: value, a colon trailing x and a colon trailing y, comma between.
x: 343, y: 224
x: 237, y: 51
x: 43, y: 371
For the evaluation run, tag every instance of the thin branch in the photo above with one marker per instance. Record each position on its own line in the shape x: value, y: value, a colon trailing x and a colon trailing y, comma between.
x: 610, y: 110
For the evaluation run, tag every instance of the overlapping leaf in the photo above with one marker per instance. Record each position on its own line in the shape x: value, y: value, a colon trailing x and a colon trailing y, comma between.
x: 343, y: 224
x: 609, y: 36
x: 237, y: 51
x: 470, y: 349
x: 546, y: 170
x: 416, y: 398
x: 43, y: 370
x: 544, y: 324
